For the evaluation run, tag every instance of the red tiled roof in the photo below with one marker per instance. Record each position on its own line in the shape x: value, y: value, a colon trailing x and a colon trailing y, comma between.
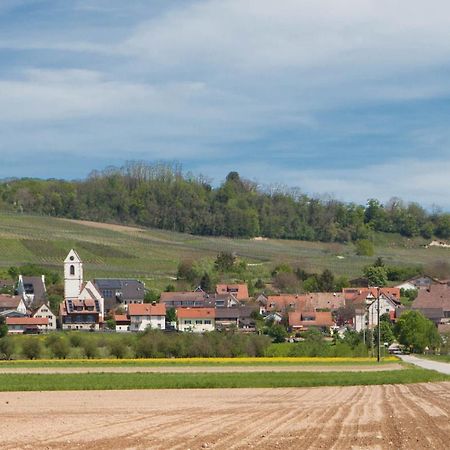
x: 240, y: 291
x: 196, y: 313
x: 147, y: 309
x: 316, y: 318
x: 26, y: 321
x: 351, y: 293
x: 285, y: 301
x: 120, y: 317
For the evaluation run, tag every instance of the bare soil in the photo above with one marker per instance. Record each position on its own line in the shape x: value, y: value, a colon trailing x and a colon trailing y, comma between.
x: 203, y: 369
x: 414, y: 416
x: 105, y: 226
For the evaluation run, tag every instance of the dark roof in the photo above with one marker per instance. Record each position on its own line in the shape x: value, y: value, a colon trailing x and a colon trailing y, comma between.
x: 431, y: 313
x: 129, y: 289
x: 121, y: 290
x: 38, y: 287
x: 234, y: 312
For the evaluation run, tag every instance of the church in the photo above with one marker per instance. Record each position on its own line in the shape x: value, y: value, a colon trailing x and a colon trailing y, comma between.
x: 83, y: 305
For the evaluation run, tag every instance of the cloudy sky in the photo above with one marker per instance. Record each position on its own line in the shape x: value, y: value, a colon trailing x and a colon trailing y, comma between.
x: 348, y: 98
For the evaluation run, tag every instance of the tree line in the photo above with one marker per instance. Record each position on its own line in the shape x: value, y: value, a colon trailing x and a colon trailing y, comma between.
x: 162, y: 196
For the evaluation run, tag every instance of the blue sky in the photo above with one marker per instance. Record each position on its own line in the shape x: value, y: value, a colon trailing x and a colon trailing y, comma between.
x: 348, y: 98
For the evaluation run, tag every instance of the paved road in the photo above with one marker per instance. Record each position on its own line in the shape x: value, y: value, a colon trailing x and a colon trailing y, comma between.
x: 427, y: 363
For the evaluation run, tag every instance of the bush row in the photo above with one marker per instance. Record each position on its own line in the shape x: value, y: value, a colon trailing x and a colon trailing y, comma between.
x: 151, y: 344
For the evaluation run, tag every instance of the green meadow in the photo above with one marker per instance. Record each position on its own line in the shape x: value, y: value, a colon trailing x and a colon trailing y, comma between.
x: 113, y: 381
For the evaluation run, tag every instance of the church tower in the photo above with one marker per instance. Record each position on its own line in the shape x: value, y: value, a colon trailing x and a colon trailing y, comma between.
x: 73, y: 275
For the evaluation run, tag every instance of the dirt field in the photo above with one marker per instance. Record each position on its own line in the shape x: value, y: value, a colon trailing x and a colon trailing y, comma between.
x: 209, y: 369
x: 412, y: 416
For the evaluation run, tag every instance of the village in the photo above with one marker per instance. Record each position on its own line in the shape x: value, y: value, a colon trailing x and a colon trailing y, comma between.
x: 119, y: 305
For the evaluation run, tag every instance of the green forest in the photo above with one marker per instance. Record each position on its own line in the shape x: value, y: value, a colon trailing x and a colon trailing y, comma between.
x: 162, y: 196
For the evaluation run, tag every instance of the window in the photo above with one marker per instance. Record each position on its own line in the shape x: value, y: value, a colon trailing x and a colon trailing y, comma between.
x: 72, y: 270
x: 207, y: 322
x: 198, y: 322
x: 187, y: 322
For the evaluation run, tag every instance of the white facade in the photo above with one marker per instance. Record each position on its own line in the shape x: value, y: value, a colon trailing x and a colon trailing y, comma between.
x: 73, y: 275
x: 141, y: 323
x: 194, y: 325
x: 369, y: 318
x: 80, y: 326
x: 45, y: 312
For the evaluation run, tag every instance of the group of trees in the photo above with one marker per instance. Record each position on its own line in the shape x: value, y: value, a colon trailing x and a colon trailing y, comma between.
x: 150, y: 344
x: 161, y: 196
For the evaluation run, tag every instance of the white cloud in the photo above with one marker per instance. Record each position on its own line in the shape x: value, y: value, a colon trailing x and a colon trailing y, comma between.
x: 423, y: 181
x: 262, y: 34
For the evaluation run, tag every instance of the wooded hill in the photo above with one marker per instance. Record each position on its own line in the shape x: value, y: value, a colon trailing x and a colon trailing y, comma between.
x: 161, y: 196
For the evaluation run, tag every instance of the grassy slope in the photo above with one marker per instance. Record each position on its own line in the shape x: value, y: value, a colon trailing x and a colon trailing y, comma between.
x: 154, y: 254
x: 90, y: 381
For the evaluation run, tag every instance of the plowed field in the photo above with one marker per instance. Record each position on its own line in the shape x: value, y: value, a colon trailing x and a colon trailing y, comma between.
x: 411, y: 416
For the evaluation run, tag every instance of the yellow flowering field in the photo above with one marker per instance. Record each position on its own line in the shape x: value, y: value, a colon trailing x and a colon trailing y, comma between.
x: 196, y: 361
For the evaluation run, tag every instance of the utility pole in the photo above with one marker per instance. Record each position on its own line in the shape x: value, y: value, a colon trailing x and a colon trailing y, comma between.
x: 378, y: 321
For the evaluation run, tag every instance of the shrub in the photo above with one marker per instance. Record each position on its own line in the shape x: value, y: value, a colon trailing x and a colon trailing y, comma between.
x: 7, y: 347
x: 31, y: 348
x: 364, y: 247
x: 75, y: 339
x: 117, y: 348
x: 60, y: 347
x: 89, y: 348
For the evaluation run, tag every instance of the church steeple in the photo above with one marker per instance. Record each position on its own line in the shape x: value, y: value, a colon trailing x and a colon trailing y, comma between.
x: 73, y: 275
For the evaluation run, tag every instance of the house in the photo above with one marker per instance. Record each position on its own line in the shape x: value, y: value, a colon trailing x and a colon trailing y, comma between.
x: 434, y: 303
x: 282, y: 303
x: 44, y: 312
x: 372, y: 292
x: 240, y: 291
x: 303, y: 320
x: 117, y: 292
x: 232, y: 317
x: 83, y: 305
x: 19, y: 325
x: 365, y: 305
x: 78, y: 314
x: 32, y: 290
x: 419, y: 282
x: 323, y: 301
x: 9, y: 303
x: 123, y: 322
x: 274, y: 317
x: 186, y: 299
x: 225, y: 301
x: 143, y: 316
x: 196, y: 320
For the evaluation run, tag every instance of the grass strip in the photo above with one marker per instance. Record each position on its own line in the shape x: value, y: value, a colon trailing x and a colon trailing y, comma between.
x: 206, y: 362
x: 438, y: 358
x: 115, y: 381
